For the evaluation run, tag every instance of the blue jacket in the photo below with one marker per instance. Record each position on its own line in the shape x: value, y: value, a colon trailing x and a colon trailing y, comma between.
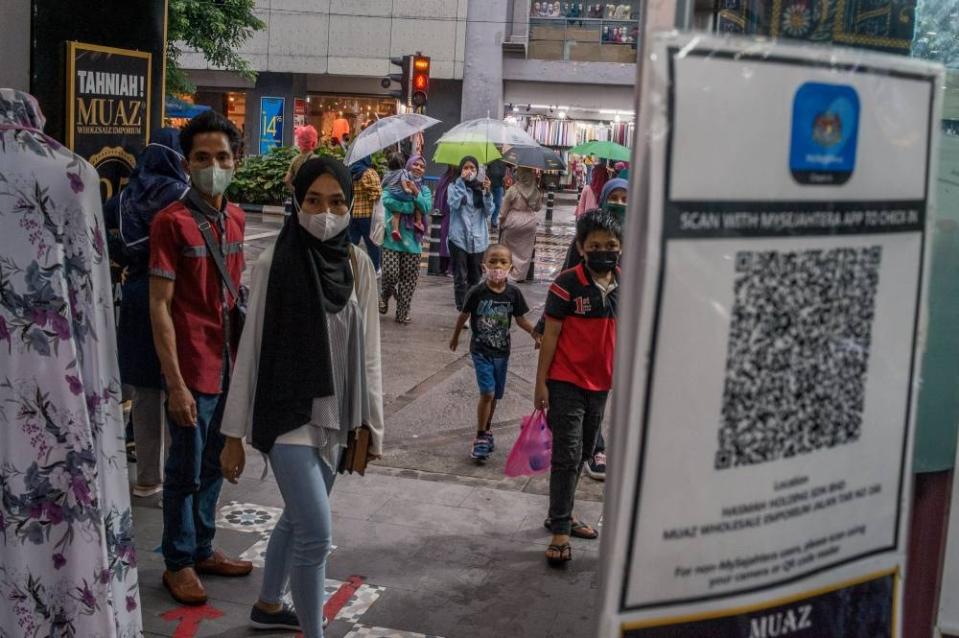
x: 469, y: 225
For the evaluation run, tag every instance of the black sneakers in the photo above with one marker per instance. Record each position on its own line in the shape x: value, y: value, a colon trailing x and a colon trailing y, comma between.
x: 283, y: 619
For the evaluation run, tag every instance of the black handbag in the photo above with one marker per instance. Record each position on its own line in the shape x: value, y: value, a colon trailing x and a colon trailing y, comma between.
x: 235, y: 318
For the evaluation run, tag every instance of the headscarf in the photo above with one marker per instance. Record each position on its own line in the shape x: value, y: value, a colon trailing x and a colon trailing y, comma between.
x: 474, y: 184
x: 525, y: 186
x: 439, y: 199
x: 20, y: 111
x: 158, y: 180
x: 610, y: 186
x: 409, y: 168
x: 360, y: 166
x: 308, y: 279
x: 600, y: 177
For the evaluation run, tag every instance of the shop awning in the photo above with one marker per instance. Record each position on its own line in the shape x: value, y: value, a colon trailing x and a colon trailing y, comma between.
x: 178, y: 108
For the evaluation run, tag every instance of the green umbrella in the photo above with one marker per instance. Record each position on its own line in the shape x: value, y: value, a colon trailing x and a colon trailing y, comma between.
x: 604, y: 150
x: 453, y: 152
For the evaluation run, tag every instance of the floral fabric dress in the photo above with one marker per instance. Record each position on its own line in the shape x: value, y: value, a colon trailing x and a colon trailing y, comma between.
x: 67, y: 560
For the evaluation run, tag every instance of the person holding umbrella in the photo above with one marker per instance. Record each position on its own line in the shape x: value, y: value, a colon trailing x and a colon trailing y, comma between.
x: 518, y: 220
x: 471, y: 205
x: 366, y: 192
x: 401, y: 256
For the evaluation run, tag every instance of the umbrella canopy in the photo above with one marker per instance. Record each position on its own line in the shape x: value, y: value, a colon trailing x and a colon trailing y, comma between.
x: 386, y: 132
x: 175, y: 107
x: 541, y: 158
x: 453, y: 152
x: 489, y: 130
x: 604, y: 150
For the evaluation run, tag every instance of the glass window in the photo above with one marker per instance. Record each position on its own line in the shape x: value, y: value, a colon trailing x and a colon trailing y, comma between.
x: 583, y: 32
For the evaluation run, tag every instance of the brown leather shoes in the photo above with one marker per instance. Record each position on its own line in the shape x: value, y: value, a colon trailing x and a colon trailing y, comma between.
x: 184, y: 586
x: 220, y: 565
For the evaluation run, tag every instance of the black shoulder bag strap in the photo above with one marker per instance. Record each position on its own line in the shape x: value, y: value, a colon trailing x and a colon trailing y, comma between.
x: 212, y: 247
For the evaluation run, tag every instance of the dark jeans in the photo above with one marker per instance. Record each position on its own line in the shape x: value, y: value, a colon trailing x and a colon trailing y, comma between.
x: 360, y: 229
x: 600, y: 444
x: 191, y: 485
x: 497, y: 203
x: 574, y: 416
x: 466, y: 272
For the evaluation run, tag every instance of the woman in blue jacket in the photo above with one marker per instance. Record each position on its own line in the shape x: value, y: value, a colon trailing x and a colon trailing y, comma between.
x: 471, y: 205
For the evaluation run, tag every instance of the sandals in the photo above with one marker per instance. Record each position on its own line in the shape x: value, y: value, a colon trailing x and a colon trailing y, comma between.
x: 579, y: 529
x: 404, y: 321
x: 384, y: 306
x: 561, y: 554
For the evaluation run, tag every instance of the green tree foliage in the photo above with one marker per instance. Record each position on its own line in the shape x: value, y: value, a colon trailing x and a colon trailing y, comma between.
x: 259, y: 178
x: 216, y: 28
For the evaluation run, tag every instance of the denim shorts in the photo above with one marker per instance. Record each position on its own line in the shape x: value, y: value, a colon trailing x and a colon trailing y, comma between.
x: 491, y: 374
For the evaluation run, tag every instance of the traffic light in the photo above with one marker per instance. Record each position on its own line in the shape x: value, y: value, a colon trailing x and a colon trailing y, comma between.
x: 420, y: 92
x: 403, y: 78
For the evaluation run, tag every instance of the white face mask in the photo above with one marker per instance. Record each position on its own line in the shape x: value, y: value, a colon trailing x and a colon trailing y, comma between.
x: 212, y: 179
x: 324, y: 225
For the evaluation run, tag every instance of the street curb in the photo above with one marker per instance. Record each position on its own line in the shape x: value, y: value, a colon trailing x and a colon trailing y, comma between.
x: 264, y: 209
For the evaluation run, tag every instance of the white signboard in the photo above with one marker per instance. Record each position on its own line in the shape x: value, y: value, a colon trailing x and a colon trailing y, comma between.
x: 763, y: 447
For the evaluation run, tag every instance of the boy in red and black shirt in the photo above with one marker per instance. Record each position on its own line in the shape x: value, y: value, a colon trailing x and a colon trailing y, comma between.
x: 575, y: 369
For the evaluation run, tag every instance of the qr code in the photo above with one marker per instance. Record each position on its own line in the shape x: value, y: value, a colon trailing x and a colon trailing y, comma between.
x: 799, y: 341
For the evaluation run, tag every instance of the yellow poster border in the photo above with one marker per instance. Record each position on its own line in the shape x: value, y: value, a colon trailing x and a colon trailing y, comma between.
x: 778, y: 602
x: 72, y: 48
x: 166, y: 29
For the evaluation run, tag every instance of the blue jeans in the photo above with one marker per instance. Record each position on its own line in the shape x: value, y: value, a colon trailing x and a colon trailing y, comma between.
x: 191, y: 485
x: 360, y: 228
x: 498, y: 192
x: 301, y: 540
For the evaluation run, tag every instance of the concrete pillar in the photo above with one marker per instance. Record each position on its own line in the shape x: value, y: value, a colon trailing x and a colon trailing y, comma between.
x: 284, y: 85
x: 15, y: 45
x: 483, y: 69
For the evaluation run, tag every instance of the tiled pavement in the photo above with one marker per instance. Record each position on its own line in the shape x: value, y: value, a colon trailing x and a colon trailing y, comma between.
x: 414, y: 556
x: 428, y: 543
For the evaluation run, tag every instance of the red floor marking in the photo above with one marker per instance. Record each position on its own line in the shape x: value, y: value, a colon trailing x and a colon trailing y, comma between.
x: 190, y: 619
x: 338, y: 600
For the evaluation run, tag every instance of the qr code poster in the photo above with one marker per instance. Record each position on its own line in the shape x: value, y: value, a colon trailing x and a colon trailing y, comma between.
x: 773, y: 427
x: 767, y: 434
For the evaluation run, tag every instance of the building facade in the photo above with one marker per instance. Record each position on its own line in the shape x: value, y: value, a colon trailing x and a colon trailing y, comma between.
x: 566, y: 76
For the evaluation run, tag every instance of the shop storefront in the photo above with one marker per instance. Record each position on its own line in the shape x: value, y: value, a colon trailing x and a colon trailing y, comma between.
x: 561, y: 128
x: 584, y: 32
x: 233, y: 104
x: 336, y: 116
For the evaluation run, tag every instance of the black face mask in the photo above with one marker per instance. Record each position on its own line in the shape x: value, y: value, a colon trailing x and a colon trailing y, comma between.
x: 602, y: 261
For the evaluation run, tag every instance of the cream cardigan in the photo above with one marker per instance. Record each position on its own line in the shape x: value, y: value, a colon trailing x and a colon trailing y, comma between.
x: 238, y: 413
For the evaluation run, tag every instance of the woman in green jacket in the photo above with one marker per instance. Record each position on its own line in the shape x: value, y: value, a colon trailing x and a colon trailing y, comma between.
x: 401, y: 258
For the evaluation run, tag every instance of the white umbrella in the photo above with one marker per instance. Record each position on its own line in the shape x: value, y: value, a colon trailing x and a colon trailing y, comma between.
x: 486, y: 129
x: 386, y: 132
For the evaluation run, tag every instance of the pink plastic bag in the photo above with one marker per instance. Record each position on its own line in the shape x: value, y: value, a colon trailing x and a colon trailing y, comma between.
x: 533, y: 449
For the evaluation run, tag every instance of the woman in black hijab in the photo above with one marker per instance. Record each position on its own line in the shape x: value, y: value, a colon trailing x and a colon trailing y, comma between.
x: 307, y: 374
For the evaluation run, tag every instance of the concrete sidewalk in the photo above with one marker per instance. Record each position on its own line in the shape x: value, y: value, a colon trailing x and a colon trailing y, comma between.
x: 429, y: 543
x: 416, y: 555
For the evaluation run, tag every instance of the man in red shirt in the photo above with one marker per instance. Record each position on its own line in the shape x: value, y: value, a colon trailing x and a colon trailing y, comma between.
x: 190, y: 308
x: 575, y: 371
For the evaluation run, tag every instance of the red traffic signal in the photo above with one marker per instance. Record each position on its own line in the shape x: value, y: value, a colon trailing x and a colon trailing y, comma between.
x: 420, y: 80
